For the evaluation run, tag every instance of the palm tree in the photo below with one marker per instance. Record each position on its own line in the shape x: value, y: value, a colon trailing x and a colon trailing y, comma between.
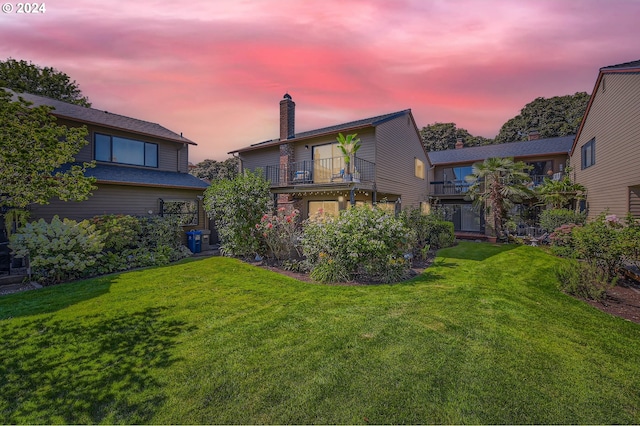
x: 497, y: 184
x: 561, y: 193
x: 349, y: 145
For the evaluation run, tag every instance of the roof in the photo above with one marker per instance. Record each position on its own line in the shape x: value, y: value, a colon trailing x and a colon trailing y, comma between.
x: 351, y: 125
x: 624, y: 66
x: 533, y: 148
x: 102, y: 118
x: 111, y: 174
x: 627, y: 67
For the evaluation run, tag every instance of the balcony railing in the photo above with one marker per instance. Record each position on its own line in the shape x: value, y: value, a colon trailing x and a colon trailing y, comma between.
x: 456, y: 187
x: 321, y: 171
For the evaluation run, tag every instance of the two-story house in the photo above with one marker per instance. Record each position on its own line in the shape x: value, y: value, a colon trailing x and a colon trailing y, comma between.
x: 307, y: 171
x: 141, y: 168
x: 547, y: 158
x: 606, y: 153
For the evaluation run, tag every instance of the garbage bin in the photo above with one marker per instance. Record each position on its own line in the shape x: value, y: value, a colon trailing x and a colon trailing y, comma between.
x: 194, y: 241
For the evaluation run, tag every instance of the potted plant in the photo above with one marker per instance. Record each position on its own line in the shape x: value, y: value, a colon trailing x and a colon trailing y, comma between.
x: 349, y: 145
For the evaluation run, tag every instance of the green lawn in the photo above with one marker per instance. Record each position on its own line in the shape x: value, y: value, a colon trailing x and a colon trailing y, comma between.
x: 483, y: 336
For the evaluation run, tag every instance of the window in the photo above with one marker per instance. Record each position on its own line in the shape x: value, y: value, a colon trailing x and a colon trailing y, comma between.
x: 185, y: 210
x: 328, y: 163
x: 323, y: 208
x: 115, y: 149
x: 589, y: 153
x: 419, y: 168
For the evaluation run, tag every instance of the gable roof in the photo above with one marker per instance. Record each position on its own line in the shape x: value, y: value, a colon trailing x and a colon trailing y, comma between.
x: 102, y: 118
x: 627, y: 67
x: 349, y: 126
x: 538, y: 147
x: 112, y: 174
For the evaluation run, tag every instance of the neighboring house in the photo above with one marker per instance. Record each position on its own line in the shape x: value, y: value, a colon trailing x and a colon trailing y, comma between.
x: 141, y: 168
x: 307, y: 170
x: 606, y: 153
x: 547, y: 157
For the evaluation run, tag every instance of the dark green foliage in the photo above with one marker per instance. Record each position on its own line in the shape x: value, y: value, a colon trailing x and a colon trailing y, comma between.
x: 584, y: 279
x: 551, y: 117
x: 216, y: 170
x: 441, y: 136
x: 431, y: 231
x: 32, y: 148
x: 236, y: 206
x: 554, y: 218
x: 23, y: 76
x: 562, y: 193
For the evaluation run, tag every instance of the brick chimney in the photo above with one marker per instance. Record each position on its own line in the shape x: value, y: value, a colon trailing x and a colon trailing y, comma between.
x: 459, y: 144
x: 534, y: 135
x: 287, y: 117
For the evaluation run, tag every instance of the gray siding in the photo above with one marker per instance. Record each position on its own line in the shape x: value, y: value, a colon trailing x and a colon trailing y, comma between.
x: 634, y: 201
x: 172, y: 156
x: 118, y: 199
x: 398, y: 145
x: 251, y: 160
x: 613, y: 121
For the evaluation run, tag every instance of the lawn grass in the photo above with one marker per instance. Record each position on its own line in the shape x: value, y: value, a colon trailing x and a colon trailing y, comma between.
x: 483, y: 336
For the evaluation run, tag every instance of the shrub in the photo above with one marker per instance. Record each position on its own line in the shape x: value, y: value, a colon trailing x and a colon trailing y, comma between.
x: 600, y: 243
x: 430, y: 230
x: 280, y: 233
x: 236, y: 206
x: 562, y: 243
x: 552, y: 219
x: 362, y: 242
x: 58, y: 251
x: 584, y: 279
x: 121, y: 232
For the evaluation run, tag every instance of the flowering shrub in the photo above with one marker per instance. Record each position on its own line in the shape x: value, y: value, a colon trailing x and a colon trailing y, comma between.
x: 58, y: 251
x: 280, y: 232
x: 562, y: 240
x: 362, y: 242
x: 600, y: 243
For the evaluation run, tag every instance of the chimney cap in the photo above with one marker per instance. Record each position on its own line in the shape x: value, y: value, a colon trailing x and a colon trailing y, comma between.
x: 286, y: 96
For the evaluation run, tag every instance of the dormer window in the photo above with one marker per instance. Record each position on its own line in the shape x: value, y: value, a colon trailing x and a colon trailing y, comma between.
x: 115, y: 149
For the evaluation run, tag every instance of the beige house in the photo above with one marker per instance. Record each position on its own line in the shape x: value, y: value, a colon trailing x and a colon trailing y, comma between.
x: 606, y: 153
x: 307, y: 171
x: 141, y: 168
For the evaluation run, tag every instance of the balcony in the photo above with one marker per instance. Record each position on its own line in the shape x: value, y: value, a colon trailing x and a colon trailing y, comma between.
x: 460, y: 187
x: 324, y: 171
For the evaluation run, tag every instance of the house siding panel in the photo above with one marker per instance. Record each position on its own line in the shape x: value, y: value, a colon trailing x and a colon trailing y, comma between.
x: 252, y: 160
x: 613, y: 122
x: 398, y: 144
x: 118, y: 199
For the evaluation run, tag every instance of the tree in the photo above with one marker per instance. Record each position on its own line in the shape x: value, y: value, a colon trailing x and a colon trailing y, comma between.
x: 33, y: 148
x: 441, y: 136
x: 23, y: 76
x: 561, y: 194
x: 236, y: 206
x: 496, y: 185
x: 551, y: 117
x: 215, y: 170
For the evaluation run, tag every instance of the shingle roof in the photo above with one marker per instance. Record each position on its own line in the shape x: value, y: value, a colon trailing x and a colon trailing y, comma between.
x: 632, y: 64
x: 560, y: 145
x: 105, y: 173
x: 365, y: 122
x: 103, y: 118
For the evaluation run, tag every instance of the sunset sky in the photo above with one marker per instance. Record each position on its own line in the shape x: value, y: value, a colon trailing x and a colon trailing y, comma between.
x: 216, y: 70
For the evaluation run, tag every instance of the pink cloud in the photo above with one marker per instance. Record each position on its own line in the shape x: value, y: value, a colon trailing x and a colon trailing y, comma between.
x: 216, y: 71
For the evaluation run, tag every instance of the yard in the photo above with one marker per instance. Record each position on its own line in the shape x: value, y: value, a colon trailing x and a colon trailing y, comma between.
x: 482, y: 336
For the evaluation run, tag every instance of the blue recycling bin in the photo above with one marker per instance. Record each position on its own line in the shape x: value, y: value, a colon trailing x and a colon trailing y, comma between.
x: 194, y: 241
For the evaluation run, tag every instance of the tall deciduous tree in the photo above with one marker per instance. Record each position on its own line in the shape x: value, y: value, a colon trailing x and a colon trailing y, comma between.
x: 496, y: 185
x: 33, y: 147
x: 23, y: 76
x: 551, y: 117
x: 441, y: 136
x: 215, y: 170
